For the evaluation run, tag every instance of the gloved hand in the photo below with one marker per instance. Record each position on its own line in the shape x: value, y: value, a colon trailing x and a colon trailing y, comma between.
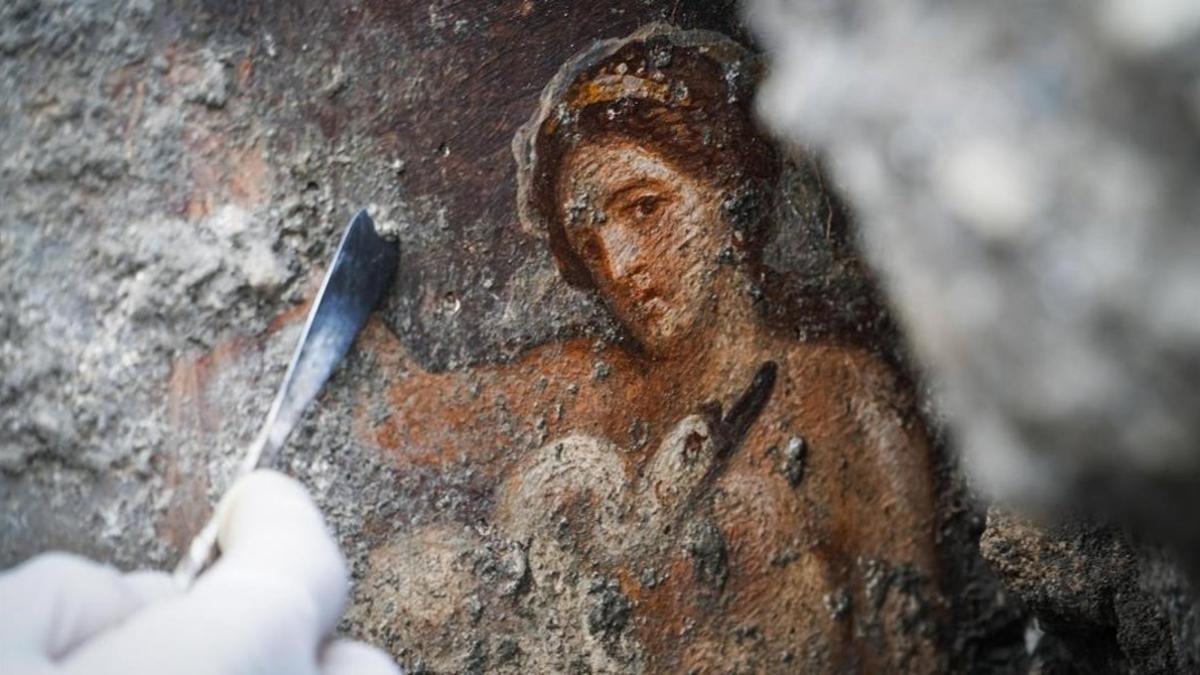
x: 268, y: 605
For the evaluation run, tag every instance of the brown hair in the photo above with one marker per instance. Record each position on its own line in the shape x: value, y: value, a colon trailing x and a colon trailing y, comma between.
x: 686, y: 95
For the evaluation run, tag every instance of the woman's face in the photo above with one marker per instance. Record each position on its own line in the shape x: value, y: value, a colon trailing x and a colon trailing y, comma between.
x: 649, y: 233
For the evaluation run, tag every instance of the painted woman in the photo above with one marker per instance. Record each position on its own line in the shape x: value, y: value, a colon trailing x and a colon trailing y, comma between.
x: 706, y: 489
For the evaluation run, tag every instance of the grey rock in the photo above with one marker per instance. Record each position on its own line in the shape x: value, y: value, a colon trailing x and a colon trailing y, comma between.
x: 1025, y: 176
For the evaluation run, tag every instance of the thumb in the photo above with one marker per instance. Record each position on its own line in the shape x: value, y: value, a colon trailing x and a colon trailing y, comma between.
x: 269, y: 528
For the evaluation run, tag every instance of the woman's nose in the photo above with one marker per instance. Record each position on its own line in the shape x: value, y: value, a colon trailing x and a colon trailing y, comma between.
x: 625, y: 253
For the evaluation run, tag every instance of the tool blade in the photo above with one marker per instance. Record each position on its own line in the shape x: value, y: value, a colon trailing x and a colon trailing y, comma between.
x: 360, y: 273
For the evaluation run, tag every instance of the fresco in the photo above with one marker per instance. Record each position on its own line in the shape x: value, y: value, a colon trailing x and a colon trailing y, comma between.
x: 729, y: 476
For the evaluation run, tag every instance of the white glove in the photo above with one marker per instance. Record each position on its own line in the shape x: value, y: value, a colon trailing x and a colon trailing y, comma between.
x: 268, y: 605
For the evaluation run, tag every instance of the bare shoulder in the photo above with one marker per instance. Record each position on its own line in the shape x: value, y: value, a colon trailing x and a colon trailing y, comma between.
x: 844, y: 369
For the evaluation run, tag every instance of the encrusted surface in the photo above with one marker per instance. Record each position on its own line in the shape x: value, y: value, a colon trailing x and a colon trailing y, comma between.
x: 525, y: 475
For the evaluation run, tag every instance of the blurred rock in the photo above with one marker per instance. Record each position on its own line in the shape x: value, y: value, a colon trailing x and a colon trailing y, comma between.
x: 1026, y: 178
x: 1025, y: 174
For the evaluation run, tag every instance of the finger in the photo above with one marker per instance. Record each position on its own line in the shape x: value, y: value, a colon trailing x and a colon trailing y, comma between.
x: 56, y: 601
x: 150, y: 586
x: 345, y: 657
x: 270, y: 528
x: 265, y: 606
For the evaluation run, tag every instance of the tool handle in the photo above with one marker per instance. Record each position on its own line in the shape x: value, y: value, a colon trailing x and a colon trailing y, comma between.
x: 203, y: 550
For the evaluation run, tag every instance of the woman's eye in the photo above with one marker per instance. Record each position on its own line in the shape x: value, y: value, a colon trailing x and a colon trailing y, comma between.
x: 646, y: 206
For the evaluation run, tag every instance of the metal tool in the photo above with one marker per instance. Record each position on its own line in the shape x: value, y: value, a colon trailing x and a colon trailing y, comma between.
x: 361, y: 271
